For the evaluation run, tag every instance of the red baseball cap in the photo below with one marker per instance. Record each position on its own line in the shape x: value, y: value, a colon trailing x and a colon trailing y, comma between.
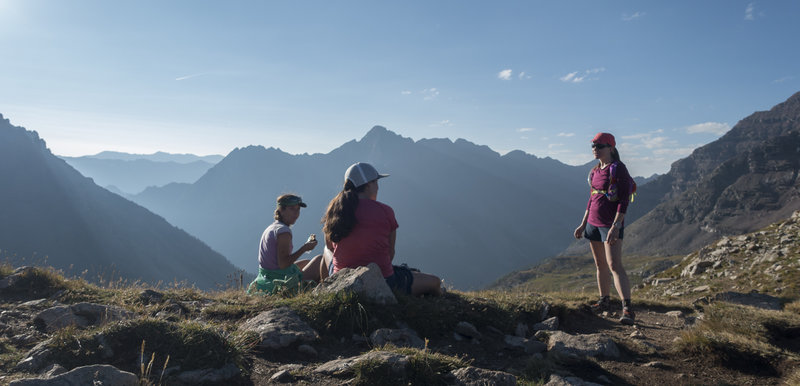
x: 605, y: 138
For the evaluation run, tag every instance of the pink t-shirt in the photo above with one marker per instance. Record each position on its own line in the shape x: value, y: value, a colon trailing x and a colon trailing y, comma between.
x: 368, y: 242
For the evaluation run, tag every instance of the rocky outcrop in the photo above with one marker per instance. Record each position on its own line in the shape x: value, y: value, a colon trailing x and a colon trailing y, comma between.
x: 758, y: 261
x: 367, y: 282
x: 397, y: 363
x: 85, y: 375
x: 745, y: 180
x: 80, y: 315
x: 591, y: 345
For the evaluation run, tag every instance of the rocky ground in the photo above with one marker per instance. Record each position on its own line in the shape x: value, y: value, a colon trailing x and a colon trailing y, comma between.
x: 352, y: 330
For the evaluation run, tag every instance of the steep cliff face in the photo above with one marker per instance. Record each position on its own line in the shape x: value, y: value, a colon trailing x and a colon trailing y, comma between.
x: 744, y: 181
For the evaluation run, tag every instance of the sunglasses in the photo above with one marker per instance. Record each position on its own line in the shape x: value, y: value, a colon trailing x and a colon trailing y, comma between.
x: 599, y: 146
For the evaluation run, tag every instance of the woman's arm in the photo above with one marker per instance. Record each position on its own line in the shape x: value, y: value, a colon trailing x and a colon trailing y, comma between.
x: 392, y: 239
x: 285, y: 256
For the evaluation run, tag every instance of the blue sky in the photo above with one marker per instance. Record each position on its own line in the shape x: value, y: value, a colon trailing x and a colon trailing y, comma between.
x: 205, y: 77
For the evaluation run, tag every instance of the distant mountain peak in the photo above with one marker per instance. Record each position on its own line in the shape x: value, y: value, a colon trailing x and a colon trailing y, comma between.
x: 379, y: 132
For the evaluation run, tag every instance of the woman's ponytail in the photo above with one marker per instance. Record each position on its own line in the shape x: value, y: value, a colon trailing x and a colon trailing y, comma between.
x: 340, y: 217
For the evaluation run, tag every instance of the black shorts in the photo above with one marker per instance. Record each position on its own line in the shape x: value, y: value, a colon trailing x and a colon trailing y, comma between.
x: 402, y: 279
x: 594, y: 233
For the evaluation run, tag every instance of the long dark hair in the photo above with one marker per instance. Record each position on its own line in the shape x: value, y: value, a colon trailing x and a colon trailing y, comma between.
x: 340, y: 217
x: 614, y: 156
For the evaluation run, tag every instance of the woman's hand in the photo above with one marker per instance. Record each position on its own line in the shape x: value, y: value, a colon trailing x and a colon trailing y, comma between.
x: 613, y: 235
x: 309, y: 245
x: 579, y: 231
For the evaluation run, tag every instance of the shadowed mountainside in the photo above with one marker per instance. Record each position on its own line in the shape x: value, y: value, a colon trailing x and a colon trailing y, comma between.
x: 465, y: 212
x: 50, y: 211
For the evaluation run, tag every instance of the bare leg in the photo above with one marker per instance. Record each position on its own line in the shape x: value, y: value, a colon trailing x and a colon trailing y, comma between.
x: 603, y: 272
x: 311, y: 269
x: 325, y: 264
x: 613, y: 253
x: 426, y: 284
x: 301, y: 263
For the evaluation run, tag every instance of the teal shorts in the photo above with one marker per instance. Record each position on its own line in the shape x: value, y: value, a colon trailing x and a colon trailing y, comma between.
x: 272, y: 281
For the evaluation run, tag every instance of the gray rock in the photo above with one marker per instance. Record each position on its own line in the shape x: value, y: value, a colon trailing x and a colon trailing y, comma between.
x: 96, y: 375
x: 468, y: 330
x: 308, y: 350
x: 751, y: 299
x: 590, y: 345
x: 80, y: 315
x: 53, y: 370
x: 282, y: 376
x: 702, y: 288
x: 696, y: 267
x: 663, y: 280
x: 530, y: 346
x: 474, y: 376
x: 206, y: 376
x: 656, y: 365
x: 35, y: 359
x: 367, y: 282
x: 403, y: 337
x: 557, y: 380
x: 149, y: 296
x: 550, y: 324
x: 675, y: 314
x: 279, y: 328
x: 34, y: 303
x: 397, y: 363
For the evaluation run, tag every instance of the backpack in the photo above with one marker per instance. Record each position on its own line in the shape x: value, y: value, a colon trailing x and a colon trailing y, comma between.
x: 611, y: 193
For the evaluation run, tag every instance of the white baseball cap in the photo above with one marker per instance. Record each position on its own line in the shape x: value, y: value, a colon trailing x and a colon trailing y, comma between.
x: 360, y: 173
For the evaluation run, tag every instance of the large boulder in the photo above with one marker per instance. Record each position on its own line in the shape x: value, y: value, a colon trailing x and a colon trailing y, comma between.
x: 590, y: 345
x: 96, y: 375
x: 80, y: 314
x: 367, y: 282
x: 279, y: 328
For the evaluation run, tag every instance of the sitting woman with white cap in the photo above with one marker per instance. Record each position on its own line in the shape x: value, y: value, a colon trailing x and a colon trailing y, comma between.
x: 360, y: 230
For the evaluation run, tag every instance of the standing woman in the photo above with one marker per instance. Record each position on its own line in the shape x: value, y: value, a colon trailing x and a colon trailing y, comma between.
x: 278, y: 265
x: 603, y: 223
x: 361, y: 230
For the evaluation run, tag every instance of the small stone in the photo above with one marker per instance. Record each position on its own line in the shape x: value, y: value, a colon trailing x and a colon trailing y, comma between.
x: 702, y: 288
x: 541, y: 335
x: 468, y: 330
x: 675, y: 314
x: 282, y: 376
x: 550, y: 324
x: 656, y: 364
x: 637, y: 335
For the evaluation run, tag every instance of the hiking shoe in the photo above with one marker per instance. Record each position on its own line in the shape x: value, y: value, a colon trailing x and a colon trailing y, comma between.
x: 604, y: 304
x: 628, y: 316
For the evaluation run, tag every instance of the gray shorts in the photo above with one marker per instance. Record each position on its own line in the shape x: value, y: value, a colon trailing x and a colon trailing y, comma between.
x: 594, y: 233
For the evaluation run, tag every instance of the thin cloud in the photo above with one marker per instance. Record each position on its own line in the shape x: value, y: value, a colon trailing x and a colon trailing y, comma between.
x: 405, y: 92
x: 784, y: 79
x: 633, y: 16
x: 525, y: 129
x: 504, y: 75
x: 189, y: 76
x: 566, y: 134
x: 443, y: 123
x: 578, y: 76
x: 708, y: 128
x: 430, y: 93
x: 749, y: 12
